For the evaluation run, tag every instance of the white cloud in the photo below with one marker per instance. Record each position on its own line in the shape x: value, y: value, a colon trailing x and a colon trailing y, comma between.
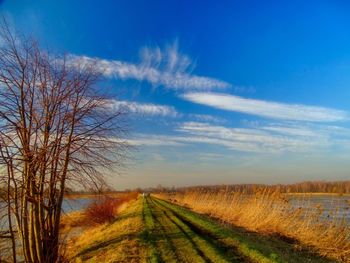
x: 165, y: 67
x: 144, y: 108
x: 266, y: 108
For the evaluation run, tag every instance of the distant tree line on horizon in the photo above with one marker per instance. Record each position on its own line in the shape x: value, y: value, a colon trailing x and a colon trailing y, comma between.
x: 336, y: 187
x: 331, y: 187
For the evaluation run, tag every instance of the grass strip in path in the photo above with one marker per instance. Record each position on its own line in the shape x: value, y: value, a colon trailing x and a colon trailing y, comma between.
x: 147, y: 234
x: 165, y: 250
x: 179, y: 242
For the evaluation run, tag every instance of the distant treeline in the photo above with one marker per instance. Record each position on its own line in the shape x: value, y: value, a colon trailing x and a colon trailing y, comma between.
x: 336, y: 187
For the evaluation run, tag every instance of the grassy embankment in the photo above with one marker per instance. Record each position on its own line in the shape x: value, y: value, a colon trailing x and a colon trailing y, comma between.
x: 152, y: 230
x: 270, y: 213
x: 116, y: 241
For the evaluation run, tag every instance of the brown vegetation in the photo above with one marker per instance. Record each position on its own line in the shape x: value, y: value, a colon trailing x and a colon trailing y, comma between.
x: 267, y: 211
x: 105, y: 209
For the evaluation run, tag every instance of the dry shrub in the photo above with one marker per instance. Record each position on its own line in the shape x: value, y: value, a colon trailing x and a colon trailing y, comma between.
x: 269, y: 212
x: 106, y: 208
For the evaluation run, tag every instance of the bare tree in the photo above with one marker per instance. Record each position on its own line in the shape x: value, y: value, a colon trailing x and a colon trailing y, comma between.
x: 56, y: 127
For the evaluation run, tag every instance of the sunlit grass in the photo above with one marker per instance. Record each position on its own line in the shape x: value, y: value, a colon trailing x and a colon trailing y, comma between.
x: 269, y: 212
x: 111, y: 242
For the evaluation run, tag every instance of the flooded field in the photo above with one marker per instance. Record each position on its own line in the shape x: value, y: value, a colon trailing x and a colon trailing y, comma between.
x: 331, y: 205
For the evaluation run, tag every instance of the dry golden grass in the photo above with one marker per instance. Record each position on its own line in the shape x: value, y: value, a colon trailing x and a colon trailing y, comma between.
x: 271, y: 213
x: 114, y: 242
x: 72, y: 220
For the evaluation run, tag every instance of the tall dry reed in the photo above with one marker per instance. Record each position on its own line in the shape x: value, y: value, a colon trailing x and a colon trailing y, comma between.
x: 269, y: 212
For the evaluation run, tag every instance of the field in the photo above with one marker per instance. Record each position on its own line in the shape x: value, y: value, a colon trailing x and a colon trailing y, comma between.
x: 153, y: 230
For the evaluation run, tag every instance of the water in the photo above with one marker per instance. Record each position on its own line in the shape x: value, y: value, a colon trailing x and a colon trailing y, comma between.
x: 328, y: 203
x: 68, y: 205
x: 75, y: 204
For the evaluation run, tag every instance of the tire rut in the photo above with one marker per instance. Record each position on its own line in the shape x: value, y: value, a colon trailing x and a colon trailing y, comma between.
x: 212, y: 238
x: 148, y: 235
x: 200, y: 252
x: 169, y: 242
x: 188, y: 253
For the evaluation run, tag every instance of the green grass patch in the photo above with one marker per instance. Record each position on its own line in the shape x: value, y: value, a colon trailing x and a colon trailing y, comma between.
x: 147, y: 234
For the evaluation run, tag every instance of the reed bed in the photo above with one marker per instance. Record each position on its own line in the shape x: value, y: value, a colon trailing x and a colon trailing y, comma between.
x: 269, y: 212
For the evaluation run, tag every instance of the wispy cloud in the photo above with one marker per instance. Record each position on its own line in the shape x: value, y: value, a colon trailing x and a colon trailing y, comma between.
x: 206, y: 118
x: 144, y: 108
x: 170, y: 140
x: 155, y: 140
x: 300, y: 131
x: 266, y: 108
x: 160, y: 67
x: 272, y: 138
x: 252, y: 139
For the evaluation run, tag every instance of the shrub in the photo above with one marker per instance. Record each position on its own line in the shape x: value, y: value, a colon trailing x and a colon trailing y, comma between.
x: 106, y: 208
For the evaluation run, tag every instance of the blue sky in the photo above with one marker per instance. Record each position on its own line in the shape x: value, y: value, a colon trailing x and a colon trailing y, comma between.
x: 219, y: 92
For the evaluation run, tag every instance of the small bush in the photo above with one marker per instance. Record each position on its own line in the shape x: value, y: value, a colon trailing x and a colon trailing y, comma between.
x: 106, y: 208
